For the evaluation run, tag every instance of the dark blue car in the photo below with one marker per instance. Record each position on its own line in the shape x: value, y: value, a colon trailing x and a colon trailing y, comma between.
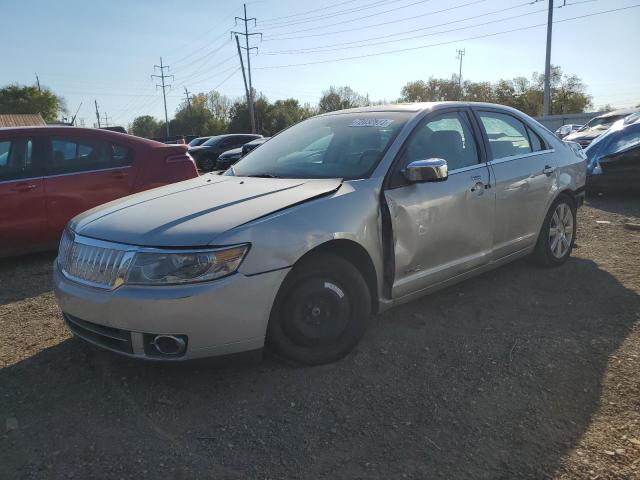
x: 614, y: 158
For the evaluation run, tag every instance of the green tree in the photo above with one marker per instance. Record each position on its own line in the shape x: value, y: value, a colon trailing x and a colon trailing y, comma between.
x: 29, y: 99
x: 568, y: 92
x: 283, y: 114
x: 339, y: 98
x: 239, y: 115
x: 146, y: 126
x: 433, y: 90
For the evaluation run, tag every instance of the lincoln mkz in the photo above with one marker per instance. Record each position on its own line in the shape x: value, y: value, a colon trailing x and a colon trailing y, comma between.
x: 338, y: 217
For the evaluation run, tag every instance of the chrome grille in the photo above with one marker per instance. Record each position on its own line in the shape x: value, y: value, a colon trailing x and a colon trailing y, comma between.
x: 99, y: 264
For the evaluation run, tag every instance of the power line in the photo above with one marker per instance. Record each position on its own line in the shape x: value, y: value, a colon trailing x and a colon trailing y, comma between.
x: 269, y: 38
x: 195, y: 78
x: 338, y: 13
x: 342, y: 46
x: 310, y: 11
x: 359, y: 18
x: 419, y: 47
x: 199, y: 74
x: 164, y: 86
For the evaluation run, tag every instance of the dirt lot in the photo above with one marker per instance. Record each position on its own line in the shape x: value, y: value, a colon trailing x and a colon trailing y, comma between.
x: 520, y: 373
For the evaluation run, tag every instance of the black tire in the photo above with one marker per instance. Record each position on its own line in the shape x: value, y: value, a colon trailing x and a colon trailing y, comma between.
x: 321, y: 311
x: 543, y: 254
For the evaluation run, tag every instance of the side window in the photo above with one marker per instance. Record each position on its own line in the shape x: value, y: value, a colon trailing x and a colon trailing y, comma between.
x: 16, y: 158
x: 69, y: 155
x: 447, y: 136
x: 507, y: 136
x: 536, y: 142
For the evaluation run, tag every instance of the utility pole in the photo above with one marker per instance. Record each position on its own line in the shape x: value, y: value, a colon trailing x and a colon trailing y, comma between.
x: 248, y: 49
x: 162, y: 76
x: 546, y: 104
x: 97, y: 112
x: 188, y: 97
x: 187, y: 94
x: 73, y: 120
x: 246, y: 89
x: 38, y: 82
x: 459, y: 57
x: 106, y: 120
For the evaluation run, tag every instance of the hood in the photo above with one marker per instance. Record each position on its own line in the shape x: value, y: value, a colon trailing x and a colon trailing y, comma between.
x: 235, y: 152
x: 589, y: 134
x: 198, y: 148
x: 195, y: 212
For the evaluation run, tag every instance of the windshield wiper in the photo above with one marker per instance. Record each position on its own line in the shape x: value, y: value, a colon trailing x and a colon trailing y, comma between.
x: 261, y: 175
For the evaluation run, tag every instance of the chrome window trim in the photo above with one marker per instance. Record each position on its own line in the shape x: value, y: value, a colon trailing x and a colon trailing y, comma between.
x: 87, y: 171
x: 21, y: 179
x: 44, y: 177
x: 518, y: 157
x: 467, y: 168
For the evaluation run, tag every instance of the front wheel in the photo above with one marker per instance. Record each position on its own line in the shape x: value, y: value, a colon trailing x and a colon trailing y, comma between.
x: 558, y: 233
x: 320, y: 312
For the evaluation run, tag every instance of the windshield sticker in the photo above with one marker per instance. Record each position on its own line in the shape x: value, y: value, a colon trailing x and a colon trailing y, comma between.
x: 371, y: 122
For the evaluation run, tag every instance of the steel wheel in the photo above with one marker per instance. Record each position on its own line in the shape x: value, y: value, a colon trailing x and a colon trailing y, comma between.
x: 561, y: 230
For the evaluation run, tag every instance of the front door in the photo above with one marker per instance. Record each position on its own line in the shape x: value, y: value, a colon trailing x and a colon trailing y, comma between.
x: 525, y: 181
x: 22, y: 213
x: 441, y: 229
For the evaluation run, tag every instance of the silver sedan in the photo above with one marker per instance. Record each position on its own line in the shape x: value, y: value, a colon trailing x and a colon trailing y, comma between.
x: 338, y: 217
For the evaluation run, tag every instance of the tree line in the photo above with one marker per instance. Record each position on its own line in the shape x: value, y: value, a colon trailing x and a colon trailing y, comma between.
x: 214, y: 113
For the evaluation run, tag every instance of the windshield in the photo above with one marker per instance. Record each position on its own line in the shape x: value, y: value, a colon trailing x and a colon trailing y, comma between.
x: 345, y: 146
x: 195, y: 142
x: 601, y: 123
x: 211, y: 141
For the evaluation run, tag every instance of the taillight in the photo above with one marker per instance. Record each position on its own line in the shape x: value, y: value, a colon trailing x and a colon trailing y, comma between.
x: 183, y: 157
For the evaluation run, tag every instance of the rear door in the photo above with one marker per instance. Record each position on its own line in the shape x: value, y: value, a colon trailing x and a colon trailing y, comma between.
x: 82, y: 173
x: 441, y: 229
x: 22, y: 212
x: 525, y: 178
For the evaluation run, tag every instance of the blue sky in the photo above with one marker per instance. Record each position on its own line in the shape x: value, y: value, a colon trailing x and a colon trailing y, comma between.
x: 105, y: 51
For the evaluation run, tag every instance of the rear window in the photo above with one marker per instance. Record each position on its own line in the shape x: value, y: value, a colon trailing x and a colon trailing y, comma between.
x: 69, y: 155
x: 507, y: 136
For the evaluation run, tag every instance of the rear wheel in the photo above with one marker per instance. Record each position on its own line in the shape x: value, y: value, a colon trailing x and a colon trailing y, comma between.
x: 321, y: 311
x: 558, y: 233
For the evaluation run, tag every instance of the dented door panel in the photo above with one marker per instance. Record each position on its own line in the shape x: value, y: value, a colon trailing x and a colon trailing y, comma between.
x: 441, y: 229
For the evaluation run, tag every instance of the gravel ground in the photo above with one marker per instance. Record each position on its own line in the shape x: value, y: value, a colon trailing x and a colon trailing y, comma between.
x: 520, y: 373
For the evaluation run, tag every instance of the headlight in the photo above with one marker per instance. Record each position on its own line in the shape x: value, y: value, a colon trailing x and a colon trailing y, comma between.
x: 175, y: 267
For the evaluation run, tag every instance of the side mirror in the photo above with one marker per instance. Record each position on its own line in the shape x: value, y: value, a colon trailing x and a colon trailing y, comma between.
x: 431, y: 170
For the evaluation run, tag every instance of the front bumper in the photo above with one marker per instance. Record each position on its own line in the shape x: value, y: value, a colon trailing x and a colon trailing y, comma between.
x: 225, y: 316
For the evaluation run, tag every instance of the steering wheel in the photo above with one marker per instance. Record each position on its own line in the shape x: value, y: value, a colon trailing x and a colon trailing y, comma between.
x: 368, y: 155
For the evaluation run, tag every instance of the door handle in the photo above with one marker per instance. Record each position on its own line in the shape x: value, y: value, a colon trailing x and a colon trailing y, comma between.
x: 548, y: 170
x: 24, y: 187
x: 119, y: 174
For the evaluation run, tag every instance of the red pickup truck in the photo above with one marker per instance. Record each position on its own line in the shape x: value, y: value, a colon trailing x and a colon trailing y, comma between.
x: 50, y: 174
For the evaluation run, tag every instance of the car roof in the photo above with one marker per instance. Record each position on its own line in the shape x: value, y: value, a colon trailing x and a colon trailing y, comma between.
x: 616, y: 113
x: 258, y: 140
x: 419, y: 107
x: 69, y: 130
